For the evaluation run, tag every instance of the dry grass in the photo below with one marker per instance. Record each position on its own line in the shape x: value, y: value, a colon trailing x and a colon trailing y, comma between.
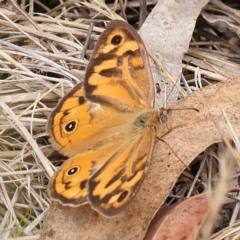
x: 42, y: 56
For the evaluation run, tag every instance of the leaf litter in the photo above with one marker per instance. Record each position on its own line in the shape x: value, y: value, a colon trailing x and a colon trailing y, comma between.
x: 41, y: 59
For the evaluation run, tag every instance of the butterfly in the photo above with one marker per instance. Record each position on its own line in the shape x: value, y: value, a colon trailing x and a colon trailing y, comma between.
x: 107, y: 126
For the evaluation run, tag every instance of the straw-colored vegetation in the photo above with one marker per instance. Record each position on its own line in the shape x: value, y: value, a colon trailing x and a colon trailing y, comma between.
x: 44, y: 50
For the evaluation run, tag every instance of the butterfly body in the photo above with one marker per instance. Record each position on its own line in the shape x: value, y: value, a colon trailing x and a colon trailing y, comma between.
x: 106, y: 126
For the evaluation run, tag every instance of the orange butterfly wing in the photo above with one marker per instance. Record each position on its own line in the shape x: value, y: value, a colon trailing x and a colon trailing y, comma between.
x: 118, y: 74
x: 76, y: 124
x: 112, y: 187
x: 69, y: 184
x: 107, y: 127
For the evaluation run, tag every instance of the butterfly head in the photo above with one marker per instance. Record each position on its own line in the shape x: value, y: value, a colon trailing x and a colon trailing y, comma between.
x: 163, y: 115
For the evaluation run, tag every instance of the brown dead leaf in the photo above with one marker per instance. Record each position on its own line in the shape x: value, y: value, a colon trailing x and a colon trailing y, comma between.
x: 191, y: 132
x: 181, y: 220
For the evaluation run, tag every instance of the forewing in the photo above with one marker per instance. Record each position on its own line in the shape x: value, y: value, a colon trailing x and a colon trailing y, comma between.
x: 78, y: 125
x: 118, y: 74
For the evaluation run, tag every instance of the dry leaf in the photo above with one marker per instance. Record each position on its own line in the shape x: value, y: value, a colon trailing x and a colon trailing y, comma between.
x: 167, y: 31
x: 221, y: 24
x: 181, y: 220
x: 191, y: 133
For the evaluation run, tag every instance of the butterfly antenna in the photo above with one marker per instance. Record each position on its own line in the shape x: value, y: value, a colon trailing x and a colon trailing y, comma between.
x: 166, y: 98
x: 179, y: 109
x: 176, y: 82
